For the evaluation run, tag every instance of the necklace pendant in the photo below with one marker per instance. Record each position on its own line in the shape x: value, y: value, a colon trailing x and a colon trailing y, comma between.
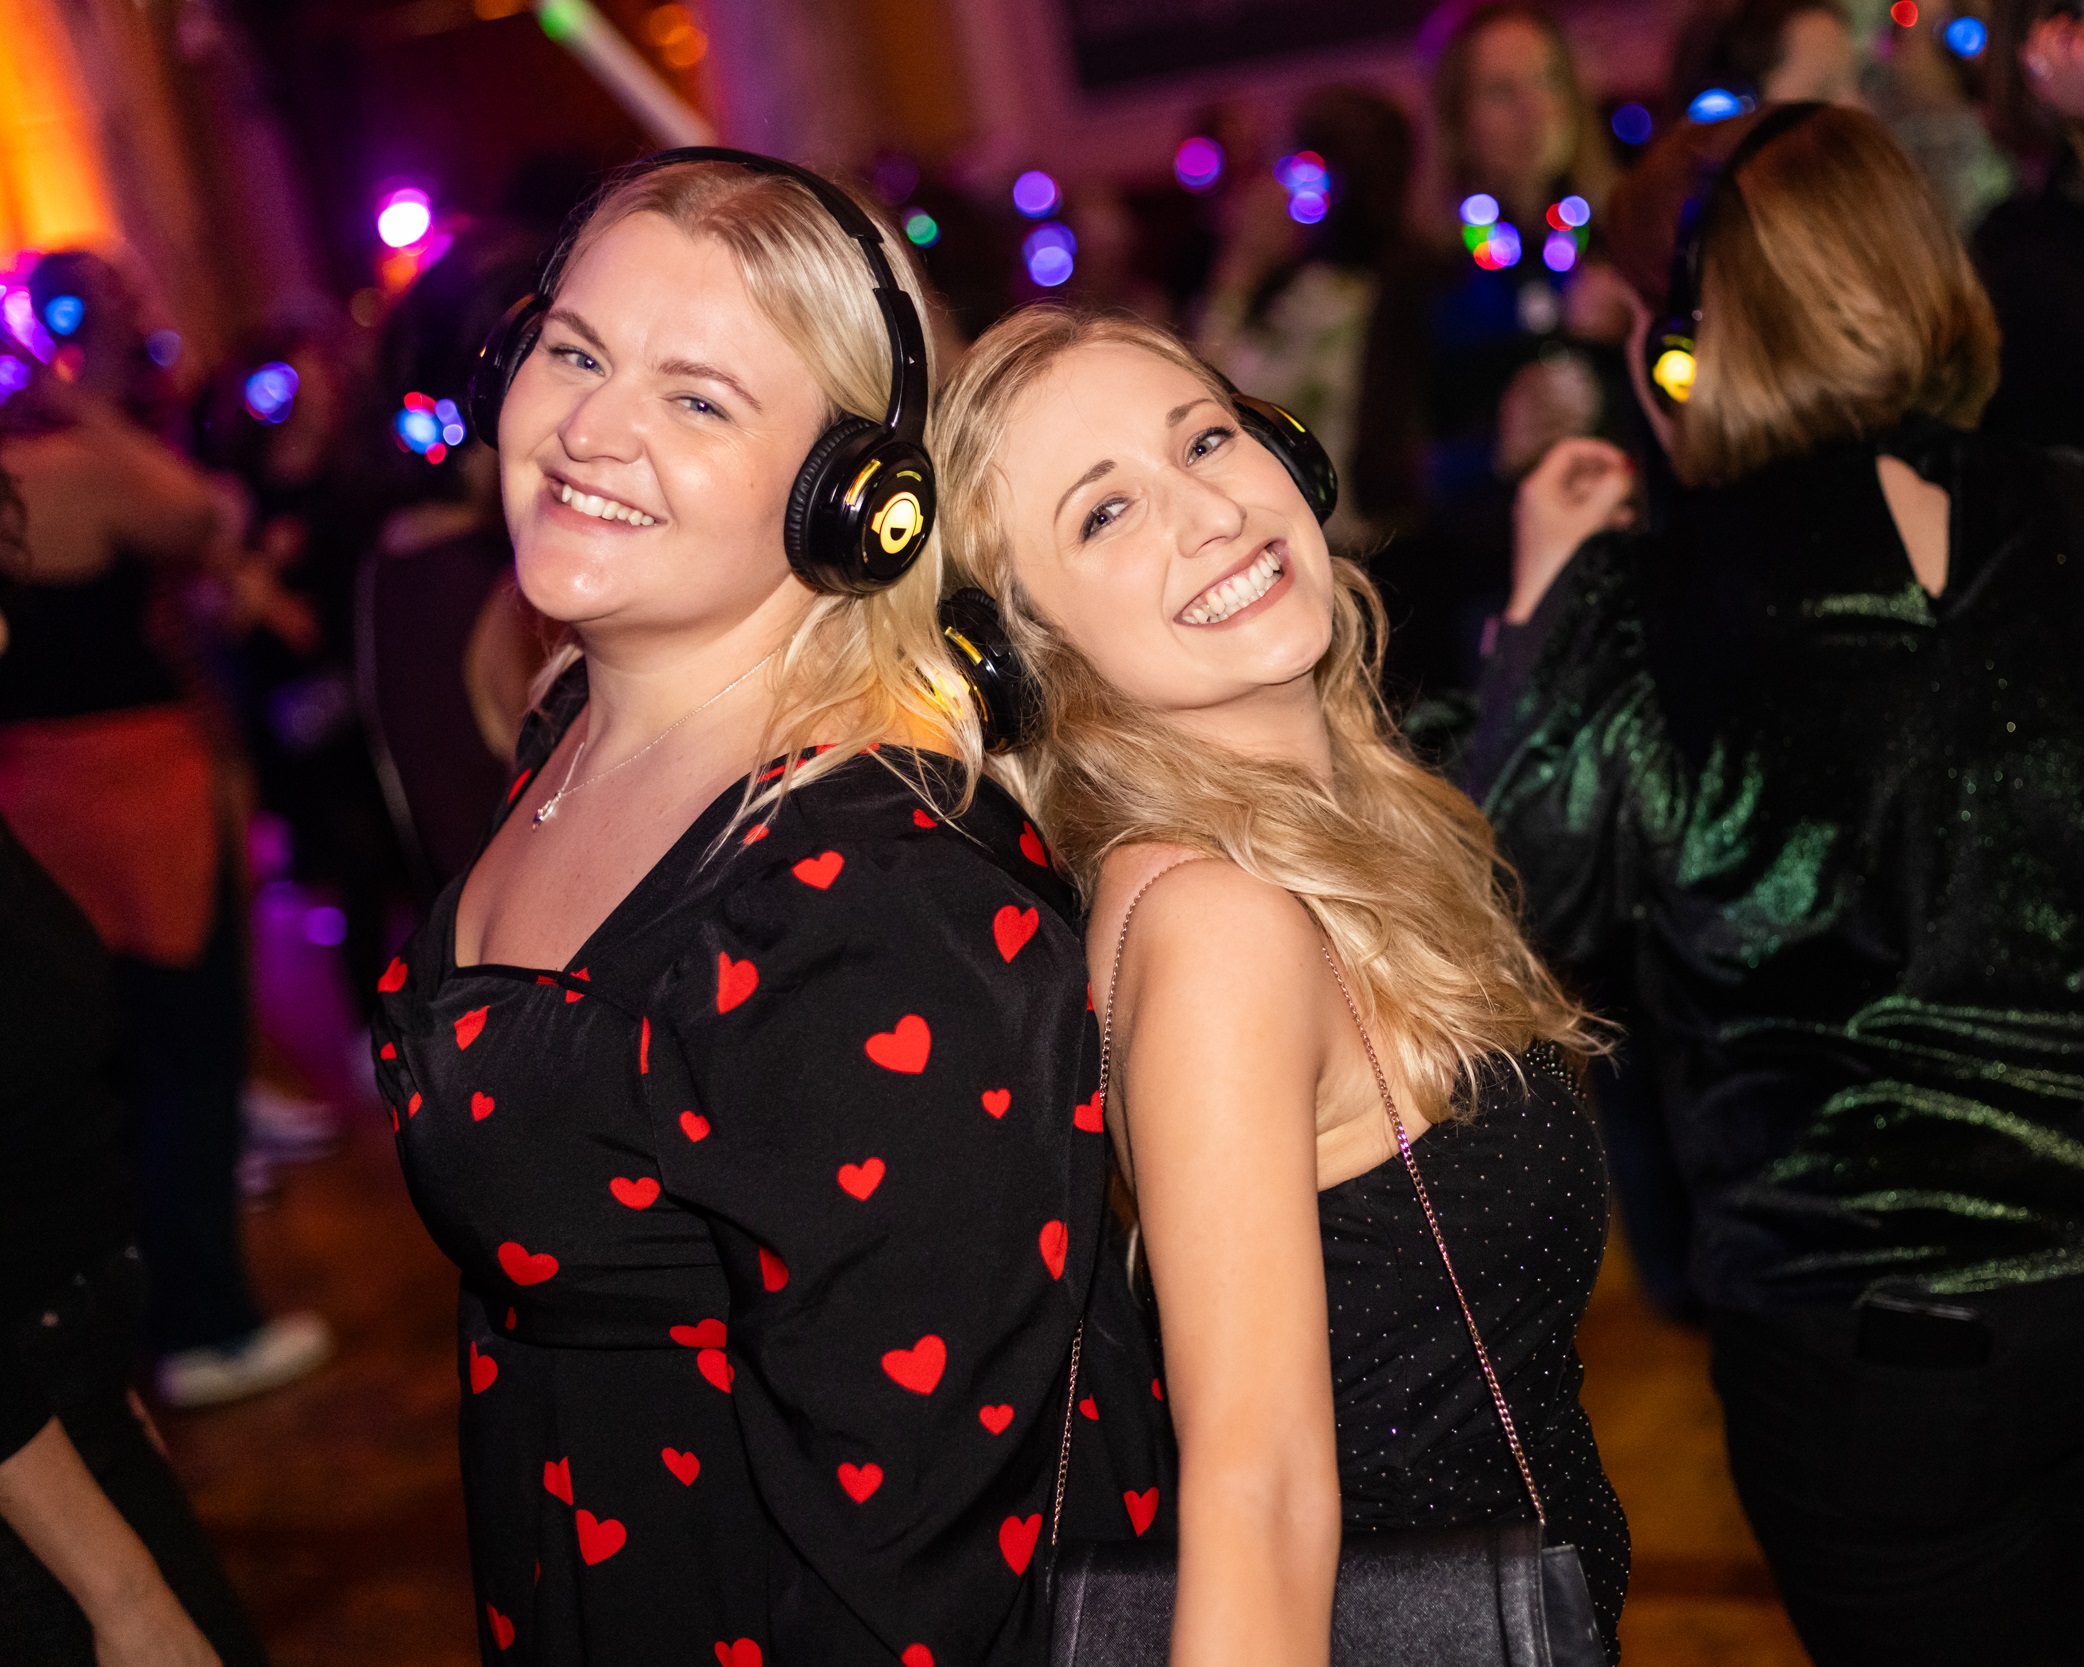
x: 549, y: 810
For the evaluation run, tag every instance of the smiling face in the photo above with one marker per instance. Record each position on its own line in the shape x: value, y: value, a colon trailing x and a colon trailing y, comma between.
x: 648, y: 444
x: 1169, y: 547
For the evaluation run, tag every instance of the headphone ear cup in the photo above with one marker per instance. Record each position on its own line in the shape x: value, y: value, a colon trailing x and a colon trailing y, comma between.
x: 860, y: 510
x: 1307, y: 462
x: 1008, y: 708
x: 509, y: 342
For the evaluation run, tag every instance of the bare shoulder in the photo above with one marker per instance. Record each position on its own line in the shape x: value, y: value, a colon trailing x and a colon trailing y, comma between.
x: 1200, y: 923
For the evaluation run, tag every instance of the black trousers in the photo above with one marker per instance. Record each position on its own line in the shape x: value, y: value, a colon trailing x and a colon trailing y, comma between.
x: 84, y: 1362
x: 1918, y: 1509
x: 185, y: 1071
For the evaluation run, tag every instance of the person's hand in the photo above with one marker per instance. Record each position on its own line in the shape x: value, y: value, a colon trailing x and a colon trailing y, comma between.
x: 2053, y: 58
x: 151, y: 1630
x: 1580, y: 488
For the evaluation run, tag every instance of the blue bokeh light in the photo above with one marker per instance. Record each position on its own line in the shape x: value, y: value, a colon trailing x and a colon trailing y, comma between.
x: 1633, y: 124
x: 271, y: 391
x: 1307, y: 208
x: 1504, y: 244
x: 163, y: 347
x: 1717, y: 104
x: 1574, y: 212
x: 63, y: 314
x: 14, y: 377
x: 1050, y: 253
x: 1559, y: 252
x: 1480, y: 210
x: 1966, y: 37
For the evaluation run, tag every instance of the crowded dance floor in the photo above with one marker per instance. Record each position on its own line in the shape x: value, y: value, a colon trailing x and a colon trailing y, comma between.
x: 995, y: 832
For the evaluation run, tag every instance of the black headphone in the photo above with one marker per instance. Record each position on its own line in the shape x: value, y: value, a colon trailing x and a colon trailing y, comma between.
x: 863, y: 501
x: 1670, y: 349
x: 1008, y: 705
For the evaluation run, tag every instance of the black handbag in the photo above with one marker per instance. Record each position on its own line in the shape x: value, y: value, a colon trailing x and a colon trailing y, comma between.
x: 1488, y: 1596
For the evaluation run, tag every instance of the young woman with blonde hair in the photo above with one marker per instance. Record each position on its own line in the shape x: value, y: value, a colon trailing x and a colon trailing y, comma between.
x: 1805, y: 754
x: 1213, y: 759
x: 738, y: 1075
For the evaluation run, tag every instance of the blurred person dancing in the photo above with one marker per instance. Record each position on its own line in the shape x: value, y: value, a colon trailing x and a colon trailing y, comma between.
x: 110, y: 779
x: 1809, y: 752
x: 101, y: 1559
x: 740, y: 1074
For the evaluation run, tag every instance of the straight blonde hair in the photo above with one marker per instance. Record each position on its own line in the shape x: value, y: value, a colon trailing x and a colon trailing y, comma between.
x: 1396, y: 866
x: 858, y: 668
x: 1835, y: 298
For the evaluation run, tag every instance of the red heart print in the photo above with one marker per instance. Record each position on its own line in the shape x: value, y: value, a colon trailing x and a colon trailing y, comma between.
x: 713, y: 1366
x: 1090, y: 1408
x: 685, y: 1466
x: 998, y: 1101
x: 502, y: 1628
x: 1031, y: 846
x: 393, y: 979
x: 571, y: 996
x: 694, y: 1125
x: 511, y: 1320
x: 1143, y: 1509
x: 483, y: 1371
x: 1017, y: 1537
x: 774, y: 1272
x: 756, y: 833
x: 735, y: 980
x: 860, y: 1480
x: 639, y: 1194
x: 599, y: 1537
x: 390, y: 1051
x: 903, y: 1048
x: 469, y: 1026
x: 708, y: 1334
x: 921, y: 819
x: 995, y: 1419
x: 819, y: 871
x: 1089, y: 1116
x: 394, y: 1119
x: 1157, y: 1390
x: 480, y: 1107
x: 744, y: 1653
x: 412, y: 1106
x: 858, y: 1180
x: 644, y: 1046
x: 1055, y: 1239
x: 1011, y: 928
x: 524, y: 1269
x: 557, y: 1479
x: 916, y: 1655
x: 919, y: 1367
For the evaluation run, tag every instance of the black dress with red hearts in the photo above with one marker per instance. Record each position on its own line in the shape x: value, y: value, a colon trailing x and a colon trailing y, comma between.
x: 777, y: 1210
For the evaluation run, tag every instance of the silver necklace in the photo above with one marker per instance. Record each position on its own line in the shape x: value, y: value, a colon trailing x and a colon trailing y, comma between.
x: 549, y: 805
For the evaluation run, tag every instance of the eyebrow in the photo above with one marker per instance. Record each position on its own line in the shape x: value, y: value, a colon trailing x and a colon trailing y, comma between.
x: 669, y: 367
x: 1173, y: 419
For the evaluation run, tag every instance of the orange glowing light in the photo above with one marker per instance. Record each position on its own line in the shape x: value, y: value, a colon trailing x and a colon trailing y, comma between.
x: 675, y: 33
x: 53, y: 184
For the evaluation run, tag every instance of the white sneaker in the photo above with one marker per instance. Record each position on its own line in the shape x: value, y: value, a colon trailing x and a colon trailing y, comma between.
x: 281, y: 1351
x: 286, y: 1128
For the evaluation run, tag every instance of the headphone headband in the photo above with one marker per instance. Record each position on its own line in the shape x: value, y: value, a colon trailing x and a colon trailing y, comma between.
x: 1671, y: 348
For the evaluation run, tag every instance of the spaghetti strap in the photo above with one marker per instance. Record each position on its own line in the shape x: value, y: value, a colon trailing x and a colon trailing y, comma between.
x: 1121, y: 945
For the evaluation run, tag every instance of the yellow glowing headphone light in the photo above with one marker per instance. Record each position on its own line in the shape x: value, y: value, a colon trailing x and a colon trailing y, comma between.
x: 897, y: 522
x: 1675, y: 369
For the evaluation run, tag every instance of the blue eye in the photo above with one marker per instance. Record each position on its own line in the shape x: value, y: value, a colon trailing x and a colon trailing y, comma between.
x: 1100, y: 517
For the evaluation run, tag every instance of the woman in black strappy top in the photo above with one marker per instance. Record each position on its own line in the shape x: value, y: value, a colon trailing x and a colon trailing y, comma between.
x: 1323, y: 963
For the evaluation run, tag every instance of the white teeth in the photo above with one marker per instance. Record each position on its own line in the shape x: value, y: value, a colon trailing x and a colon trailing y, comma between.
x: 1240, y: 590
x: 605, y: 509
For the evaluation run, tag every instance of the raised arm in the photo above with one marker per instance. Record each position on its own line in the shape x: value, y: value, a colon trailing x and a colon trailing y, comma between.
x: 1221, y: 1040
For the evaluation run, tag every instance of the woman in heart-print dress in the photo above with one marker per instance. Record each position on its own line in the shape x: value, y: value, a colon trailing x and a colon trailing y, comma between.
x: 749, y: 1076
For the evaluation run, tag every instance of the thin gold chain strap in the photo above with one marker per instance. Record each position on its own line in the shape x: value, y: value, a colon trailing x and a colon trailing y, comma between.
x: 1425, y: 1203
x: 1063, y: 1458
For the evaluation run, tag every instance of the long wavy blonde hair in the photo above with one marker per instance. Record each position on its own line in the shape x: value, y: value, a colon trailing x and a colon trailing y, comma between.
x: 857, y: 669
x: 1396, y: 865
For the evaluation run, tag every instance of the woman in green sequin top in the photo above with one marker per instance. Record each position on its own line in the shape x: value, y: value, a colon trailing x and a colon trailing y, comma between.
x: 1804, y: 758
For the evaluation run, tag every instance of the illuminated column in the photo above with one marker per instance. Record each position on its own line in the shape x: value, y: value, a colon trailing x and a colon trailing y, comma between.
x: 52, y: 189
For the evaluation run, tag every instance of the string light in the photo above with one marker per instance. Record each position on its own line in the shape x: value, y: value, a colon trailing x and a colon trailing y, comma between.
x: 1198, y: 163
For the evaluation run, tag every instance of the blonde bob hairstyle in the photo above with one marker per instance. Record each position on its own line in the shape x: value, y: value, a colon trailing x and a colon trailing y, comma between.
x: 1396, y: 866
x: 858, y: 669
x: 1835, y: 298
